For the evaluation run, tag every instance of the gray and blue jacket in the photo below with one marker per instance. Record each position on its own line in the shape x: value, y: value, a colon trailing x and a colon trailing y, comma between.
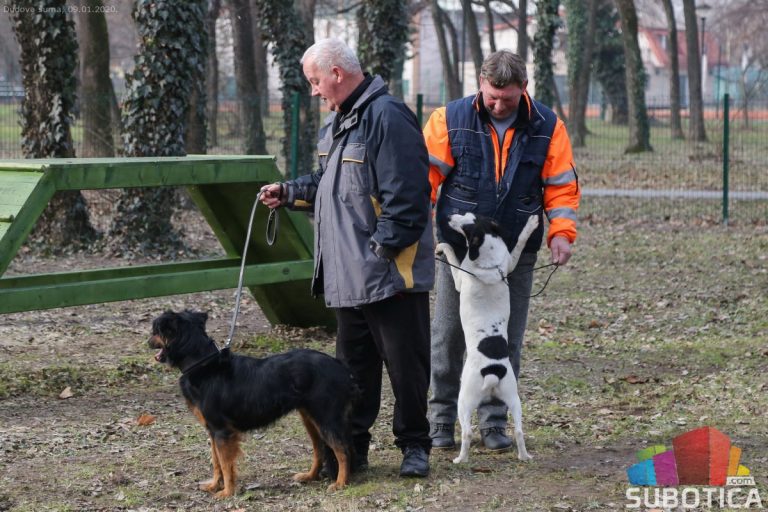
x: 371, y: 198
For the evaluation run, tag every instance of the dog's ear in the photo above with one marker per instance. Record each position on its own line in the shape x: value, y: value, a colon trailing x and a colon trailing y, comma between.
x: 201, y: 317
x: 468, y: 229
x: 198, y: 318
x: 475, y: 241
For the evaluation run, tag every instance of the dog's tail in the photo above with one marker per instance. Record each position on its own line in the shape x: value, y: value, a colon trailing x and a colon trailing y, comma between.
x: 492, y: 374
x: 489, y: 382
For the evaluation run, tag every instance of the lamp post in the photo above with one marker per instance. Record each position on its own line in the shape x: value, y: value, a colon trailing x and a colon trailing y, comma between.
x: 703, y: 9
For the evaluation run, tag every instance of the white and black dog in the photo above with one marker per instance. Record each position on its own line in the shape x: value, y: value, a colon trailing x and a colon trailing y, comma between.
x: 484, y: 310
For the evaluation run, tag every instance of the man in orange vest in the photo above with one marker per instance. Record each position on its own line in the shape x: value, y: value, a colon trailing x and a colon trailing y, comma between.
x: 503, y: 155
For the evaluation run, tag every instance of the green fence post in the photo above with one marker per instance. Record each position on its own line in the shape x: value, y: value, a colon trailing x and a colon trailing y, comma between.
x: 420, y: 109
x: 726, y: 130
x: 295, y: 106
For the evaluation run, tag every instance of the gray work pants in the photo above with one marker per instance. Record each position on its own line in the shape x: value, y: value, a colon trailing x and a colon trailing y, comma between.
x: 448, y: 344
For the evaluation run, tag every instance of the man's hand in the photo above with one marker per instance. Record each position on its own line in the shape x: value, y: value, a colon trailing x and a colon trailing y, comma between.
x: 560, y: 248
x: 273, y: 195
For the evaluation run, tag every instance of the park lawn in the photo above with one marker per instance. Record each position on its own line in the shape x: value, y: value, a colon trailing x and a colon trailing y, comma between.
x: 652, y: 330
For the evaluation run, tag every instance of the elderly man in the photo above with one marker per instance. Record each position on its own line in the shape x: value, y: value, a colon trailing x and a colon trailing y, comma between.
x: 373, y: 244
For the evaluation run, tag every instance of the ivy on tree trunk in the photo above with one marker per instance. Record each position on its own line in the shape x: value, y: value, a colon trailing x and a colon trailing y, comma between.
x: 290, y: 39
x: 548, y: 22
x: 169, y: 69
x: 48, y: 61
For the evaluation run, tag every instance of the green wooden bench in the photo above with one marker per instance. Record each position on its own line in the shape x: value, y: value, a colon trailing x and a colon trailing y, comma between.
x: 223, y: 187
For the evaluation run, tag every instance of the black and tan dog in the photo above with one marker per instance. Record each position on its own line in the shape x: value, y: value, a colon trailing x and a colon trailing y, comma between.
x: 231, y: 394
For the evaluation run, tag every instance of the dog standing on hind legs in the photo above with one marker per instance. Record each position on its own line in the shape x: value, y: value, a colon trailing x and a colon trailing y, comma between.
x: 481, y: 282
x: 231, y: 394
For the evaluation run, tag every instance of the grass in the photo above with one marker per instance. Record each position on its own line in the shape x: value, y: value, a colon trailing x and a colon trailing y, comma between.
x: 653, y: 329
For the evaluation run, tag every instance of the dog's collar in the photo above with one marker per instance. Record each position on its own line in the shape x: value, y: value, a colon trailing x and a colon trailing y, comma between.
x: 204, y: 361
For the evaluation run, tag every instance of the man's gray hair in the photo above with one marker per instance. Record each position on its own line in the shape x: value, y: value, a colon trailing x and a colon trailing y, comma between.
x: 330, y: 52
x: 502, y: 68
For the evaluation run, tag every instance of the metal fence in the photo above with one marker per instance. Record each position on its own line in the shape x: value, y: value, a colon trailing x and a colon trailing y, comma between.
x: 720, y: 179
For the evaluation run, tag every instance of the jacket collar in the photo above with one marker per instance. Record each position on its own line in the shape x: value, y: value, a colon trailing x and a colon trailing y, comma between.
x: 344, y: 122
x: 527, y: 113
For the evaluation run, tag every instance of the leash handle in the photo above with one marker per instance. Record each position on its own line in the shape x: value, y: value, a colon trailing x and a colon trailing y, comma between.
x: 272, y: 225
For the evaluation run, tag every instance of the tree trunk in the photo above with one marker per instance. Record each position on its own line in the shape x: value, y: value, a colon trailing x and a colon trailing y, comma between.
x: 696, y: 129
x: 194, y: 134
x: 745, y: 93
x: 581, y: 38
x: 609, y: 66
x: 522, y: 29
x: 172, y: 50
x: 260, y: 62
x: 639, y: 129
x: 95, y: 83
x: 674, y: 78
x: 452, y: 84
x: 473, y: 35
x: 48, y: 55
x: 383, y: 26
x: 254, y: 140
x: 212, y: 73
x: 309, y: 116
x: 489, y: 24
x: 547, y: 21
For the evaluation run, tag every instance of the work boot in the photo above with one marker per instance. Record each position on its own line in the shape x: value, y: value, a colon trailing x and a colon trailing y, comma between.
x: 442, y: 436
x: 495, y: 439
x: 415, y: 461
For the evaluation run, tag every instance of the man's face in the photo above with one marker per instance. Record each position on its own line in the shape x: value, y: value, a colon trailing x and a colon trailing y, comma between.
x: 326, y: 85
x: 501, y: 103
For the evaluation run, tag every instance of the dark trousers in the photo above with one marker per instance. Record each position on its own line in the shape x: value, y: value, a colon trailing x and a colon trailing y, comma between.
x: 393, y: 331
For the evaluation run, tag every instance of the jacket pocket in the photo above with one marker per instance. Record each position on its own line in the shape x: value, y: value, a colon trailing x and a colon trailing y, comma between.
x: 457, y: 205
x: 533, y: 159
x: 470, y: 162
x: 353, y: 172
x: 528, y: 204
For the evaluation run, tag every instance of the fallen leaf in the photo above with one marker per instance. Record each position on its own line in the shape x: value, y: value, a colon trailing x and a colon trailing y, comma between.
x: 67, y: 393
x: 634, y: 379
x: 482, y: 470
x: 145, y: 420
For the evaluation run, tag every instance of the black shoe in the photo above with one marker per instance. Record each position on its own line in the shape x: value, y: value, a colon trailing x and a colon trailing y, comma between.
x: 442, y: 436
x: 495, y: 439
x: 415, y: 461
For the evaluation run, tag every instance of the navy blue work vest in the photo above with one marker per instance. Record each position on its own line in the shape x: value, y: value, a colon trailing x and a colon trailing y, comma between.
x: 471, y: 186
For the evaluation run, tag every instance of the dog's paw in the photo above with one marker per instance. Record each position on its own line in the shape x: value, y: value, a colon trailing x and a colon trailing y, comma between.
x: 210, y: 485
x: 335, y: 486
x: 224, y: 493
x: 460, y: 459
x: 305, y: 477
x: 525, y: 457
x: 440, y: 249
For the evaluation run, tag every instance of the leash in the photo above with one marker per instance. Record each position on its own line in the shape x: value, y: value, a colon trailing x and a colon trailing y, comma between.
x: 505, y: 277
x: 556, y: 265
x: 273, y: 222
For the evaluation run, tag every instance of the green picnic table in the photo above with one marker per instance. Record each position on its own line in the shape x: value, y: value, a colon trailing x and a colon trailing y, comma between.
x: 222, y: 187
